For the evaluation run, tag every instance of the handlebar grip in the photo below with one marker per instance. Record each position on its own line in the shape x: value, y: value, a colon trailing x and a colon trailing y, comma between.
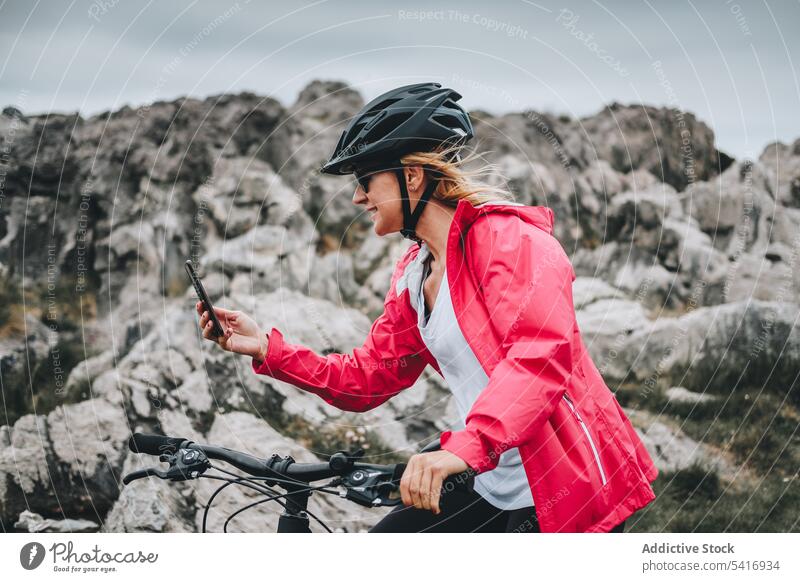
x: 154, y: 444
x: 463, y: 481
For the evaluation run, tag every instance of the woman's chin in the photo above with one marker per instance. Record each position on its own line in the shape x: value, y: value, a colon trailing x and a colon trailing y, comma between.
x: 381, y: 228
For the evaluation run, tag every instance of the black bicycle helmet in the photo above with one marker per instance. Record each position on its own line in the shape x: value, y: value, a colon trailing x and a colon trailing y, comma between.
x: 412, y: 118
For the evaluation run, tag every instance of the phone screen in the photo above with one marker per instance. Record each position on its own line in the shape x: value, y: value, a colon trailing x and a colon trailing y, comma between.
x: 203, y: 296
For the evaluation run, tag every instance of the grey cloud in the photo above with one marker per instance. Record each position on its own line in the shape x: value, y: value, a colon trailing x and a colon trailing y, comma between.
x: 502, y: 56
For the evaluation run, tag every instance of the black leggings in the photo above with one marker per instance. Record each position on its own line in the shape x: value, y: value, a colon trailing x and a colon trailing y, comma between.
x: 462, y: 512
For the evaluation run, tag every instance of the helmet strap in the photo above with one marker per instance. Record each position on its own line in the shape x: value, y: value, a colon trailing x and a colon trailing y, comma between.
x: 410, y: 219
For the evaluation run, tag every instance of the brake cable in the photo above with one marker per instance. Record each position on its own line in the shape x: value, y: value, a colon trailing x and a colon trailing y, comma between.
x: 263, y: 489
x: 245, y: 482
x: 320, y: 488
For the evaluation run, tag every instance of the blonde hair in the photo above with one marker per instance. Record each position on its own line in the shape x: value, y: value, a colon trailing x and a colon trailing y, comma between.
x: 456, y: 182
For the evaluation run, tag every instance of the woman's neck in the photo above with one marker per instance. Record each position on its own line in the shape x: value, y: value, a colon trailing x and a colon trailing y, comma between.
x: 433, y: 227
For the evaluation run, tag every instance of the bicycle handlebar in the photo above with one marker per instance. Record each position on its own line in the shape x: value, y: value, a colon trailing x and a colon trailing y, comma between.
x: 364, y: 483
x: 275, y: 467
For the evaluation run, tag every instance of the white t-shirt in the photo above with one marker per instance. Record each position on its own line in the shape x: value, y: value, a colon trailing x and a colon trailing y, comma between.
x: 505, y: 487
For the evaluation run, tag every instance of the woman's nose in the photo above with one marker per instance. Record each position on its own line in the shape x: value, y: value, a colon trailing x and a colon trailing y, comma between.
x: 358, y: 196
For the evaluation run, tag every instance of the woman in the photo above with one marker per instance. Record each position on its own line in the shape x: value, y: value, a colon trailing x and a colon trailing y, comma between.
x: 485, y: 297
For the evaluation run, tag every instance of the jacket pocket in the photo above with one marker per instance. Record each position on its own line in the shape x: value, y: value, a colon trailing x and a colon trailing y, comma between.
x: 585, y: 429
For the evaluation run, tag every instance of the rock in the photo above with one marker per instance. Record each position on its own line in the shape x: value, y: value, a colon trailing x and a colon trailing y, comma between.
x: 681, y: 395
x: 151, y: 505
x: 13, y: 113
x: 139, y: 167
x: 35, y: 523
x: 672, y: 145
x: 603, y: 180
x: 757, y: 237
x: 269, y: 255
x: 634, y: 271
x: 587, y: 290
x: 369, y: 255
x: 532, y: 180
x: 735, y: 208
x: 686, y: 249
x: 215, y: 284
x: 638, y: 216
x: 610, y: 317
x: 332, y: 278
x: 426, y: 409
x: 90, y: 458
x: 722, y: 348
x: 26, y: 344
x: 85, y: 372
x: 375, y: 287
x: 672, y: 265
x: 305, y: 140
x: 318, y: 324
x: 783, y: 165
x: 194, y: 393
x: 756, y: 277
x: 596, y: 185
x: 68, y: 461
x: 245, y: 192
x: 640, y: 179
x: 24, y: 478
x: 672, y: 450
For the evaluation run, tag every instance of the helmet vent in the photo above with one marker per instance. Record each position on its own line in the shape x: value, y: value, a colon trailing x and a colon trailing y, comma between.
x: 356, y: 129
x: 448, y: 122
x: 390, y: 123
x: 382, y: 105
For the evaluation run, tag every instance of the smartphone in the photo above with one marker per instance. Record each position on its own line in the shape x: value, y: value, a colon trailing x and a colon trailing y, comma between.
x: 203, y: 296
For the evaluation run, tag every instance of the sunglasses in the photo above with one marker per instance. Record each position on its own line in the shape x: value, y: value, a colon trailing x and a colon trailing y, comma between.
x: 365, y: 175
x: 363, y: 180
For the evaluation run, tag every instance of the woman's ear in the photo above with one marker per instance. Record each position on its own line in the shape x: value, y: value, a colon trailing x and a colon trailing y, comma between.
x: 414, y: 177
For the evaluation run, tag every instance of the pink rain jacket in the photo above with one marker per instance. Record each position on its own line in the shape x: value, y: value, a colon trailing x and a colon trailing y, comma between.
x: 511, y: 287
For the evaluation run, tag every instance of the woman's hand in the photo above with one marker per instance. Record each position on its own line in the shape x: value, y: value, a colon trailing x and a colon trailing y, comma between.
x: 241, y: 333
x: 421, y: 484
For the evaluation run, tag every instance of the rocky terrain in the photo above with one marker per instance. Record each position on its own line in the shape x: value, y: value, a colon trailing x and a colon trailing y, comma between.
x: 687, y: 297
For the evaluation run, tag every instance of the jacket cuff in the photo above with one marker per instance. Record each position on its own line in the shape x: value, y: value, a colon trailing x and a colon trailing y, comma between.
x: 269, y: 365
x: 470, y: 448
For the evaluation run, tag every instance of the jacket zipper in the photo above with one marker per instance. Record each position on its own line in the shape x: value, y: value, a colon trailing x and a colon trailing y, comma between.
x: 588, y: 436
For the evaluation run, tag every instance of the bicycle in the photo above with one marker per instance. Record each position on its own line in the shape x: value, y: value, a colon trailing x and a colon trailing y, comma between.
x: 367, y: 484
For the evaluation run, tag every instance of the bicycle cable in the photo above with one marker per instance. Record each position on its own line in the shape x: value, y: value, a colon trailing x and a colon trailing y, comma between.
x: 320, y: 488
x: 276, y: 497
x: 264, y: 490
x: 244, y: 482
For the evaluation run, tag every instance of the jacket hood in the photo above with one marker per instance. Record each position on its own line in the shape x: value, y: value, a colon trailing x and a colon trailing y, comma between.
x: 541, y: 217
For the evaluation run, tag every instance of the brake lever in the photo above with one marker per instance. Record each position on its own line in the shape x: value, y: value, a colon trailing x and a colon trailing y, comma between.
x: 184, y: 465
x: 142, y: 473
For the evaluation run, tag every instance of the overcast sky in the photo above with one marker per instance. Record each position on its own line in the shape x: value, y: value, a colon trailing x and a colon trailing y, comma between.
x: 732, y: 63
